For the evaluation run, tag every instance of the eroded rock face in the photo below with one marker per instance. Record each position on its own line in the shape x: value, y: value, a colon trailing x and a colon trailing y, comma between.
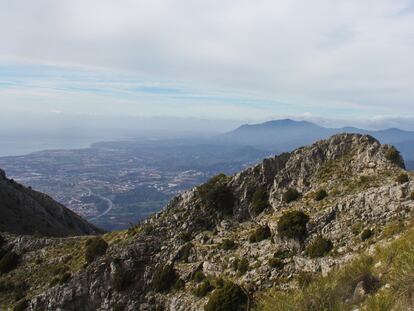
x: 361, y: 190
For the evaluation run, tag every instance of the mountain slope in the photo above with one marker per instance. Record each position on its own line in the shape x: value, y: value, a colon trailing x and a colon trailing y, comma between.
x: 225, y: 243
x: 25, y: 211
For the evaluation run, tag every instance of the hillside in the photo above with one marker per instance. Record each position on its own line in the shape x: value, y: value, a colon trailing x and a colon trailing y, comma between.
x: 268, y: 238
x: 25, y: 211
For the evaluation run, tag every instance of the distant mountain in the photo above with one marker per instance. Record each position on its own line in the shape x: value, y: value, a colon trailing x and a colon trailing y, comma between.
x: 286, y: 135
x: 25, y: 211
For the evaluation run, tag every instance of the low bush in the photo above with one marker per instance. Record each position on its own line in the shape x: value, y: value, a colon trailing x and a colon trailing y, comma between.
x: 402, y: 178
x: 259, y: 201
x: 228, y: 298
x: 291, y: 195
x: 164, y: 278
x: 95, y: 247
x: 320, y: 195
x: 185, y: 236
x: 199, y: 276
x: 366, y: 234
x: 21, y: 305
x: 284, y: 254
x: 179, y: 284
x: 292, y: 225
x: 276, y: 263
x: 218, y: 195
x: 121, y: 279
x: 319, y: 247
x: 260, y: 234
x: 9, y: 262
x: 203, y: 289
x: 184, y: 252
x: 241, y: 265
x: 227, y: 244
x: 392, y: 154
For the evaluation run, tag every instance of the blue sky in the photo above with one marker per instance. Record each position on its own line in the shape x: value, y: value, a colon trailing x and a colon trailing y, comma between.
x: 335, y: 62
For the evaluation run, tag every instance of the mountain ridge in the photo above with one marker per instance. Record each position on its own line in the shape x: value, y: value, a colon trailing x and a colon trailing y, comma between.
x: 229, y: 229
x: 25, y: 211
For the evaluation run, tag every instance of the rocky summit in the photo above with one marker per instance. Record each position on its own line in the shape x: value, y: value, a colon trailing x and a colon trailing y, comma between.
x: 276, y: 236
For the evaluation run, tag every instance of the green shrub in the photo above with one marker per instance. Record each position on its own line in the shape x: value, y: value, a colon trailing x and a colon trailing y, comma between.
x: 260, y: 234
x: 185, y: 236
x: 283, y: 254
x: 402, y: 178
x: 291, y: 195
x: 179, y: 284
x: 241, y: 265
x: 164, y: 278
x: 276, y: 263
x: 121, y: 279
x: 227, y: 244
x: 218, y: 195
x: 203, y: 289
x: 259, y: 201
x: 292, y: 225
x: 366, y: 234
x: 9, y: 262
x: 392, y: 154
x: 118, y: 307
x: 21, y: 305
x: 320, y: 195
x: 184, y: 252
x: 319, y: 247
x: 199, y: 276
x: 228, y: 298
x: 95, y: 247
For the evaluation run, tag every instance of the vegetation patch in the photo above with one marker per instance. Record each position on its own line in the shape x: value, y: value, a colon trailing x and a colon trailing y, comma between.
x: 164, y: 278
x: 366, y: 234
x: 227, y: 244
x: 260, y: 201
x: 218, y: 195
x: 292, y: 225
x: 276, y: 263
x: 320, y: 195
x: 228, y: 298
x: 320, y: 247
x: 402, y: 178
x: 203, y: 289
x: 291, y: 195
x: 9, y: 262
x: 392, y: 155
x: 199, y: 277
x: 241, y: 265
x: 121, y: 279
x: 95, y: 247
x: 260, y: 234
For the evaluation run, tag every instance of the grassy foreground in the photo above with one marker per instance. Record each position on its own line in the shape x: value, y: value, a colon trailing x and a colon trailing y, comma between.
x: 387, y: 277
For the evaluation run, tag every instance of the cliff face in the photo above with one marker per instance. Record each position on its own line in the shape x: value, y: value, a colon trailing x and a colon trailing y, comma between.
x: 25, y: 211
x: 230, y: 229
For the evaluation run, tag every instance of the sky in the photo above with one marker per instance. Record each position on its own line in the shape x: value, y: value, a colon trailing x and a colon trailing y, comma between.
x: 336, y: 62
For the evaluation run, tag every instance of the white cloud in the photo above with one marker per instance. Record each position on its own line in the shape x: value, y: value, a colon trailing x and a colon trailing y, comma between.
x: 342, y: 56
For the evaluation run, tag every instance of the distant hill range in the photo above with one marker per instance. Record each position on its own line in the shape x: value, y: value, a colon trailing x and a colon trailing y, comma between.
x: 25, y: 211
x: 286, y: 135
